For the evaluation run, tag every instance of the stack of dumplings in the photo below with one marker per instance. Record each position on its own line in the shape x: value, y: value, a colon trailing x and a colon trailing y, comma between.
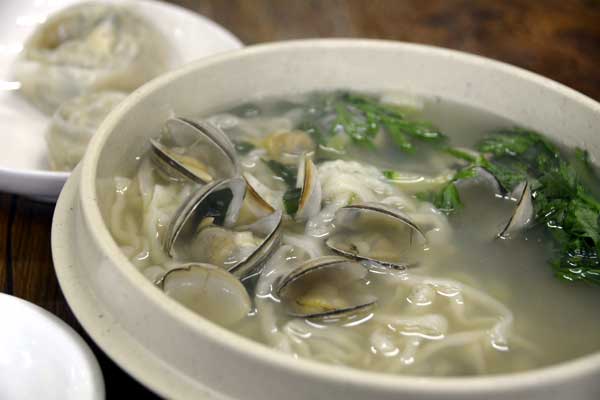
x: 80, y: 64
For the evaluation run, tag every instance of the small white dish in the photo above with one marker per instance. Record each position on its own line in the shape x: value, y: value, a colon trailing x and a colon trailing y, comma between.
x: 42, y: 357
x: 24, y: 165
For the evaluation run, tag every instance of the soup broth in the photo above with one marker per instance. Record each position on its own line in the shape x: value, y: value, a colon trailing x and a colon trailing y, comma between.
x: 438, y: 265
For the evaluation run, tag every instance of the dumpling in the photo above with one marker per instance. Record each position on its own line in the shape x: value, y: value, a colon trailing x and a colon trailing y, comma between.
x: 89, y: 47
x: 73, y: 125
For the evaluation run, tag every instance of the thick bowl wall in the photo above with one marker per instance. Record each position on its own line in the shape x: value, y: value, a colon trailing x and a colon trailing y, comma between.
x: 204, y: 354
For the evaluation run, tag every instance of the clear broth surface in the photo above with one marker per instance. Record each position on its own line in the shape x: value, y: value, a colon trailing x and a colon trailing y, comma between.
x: 552, y: 320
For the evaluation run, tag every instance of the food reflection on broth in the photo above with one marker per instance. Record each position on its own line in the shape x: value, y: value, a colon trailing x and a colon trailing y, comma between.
x: 343, y: 228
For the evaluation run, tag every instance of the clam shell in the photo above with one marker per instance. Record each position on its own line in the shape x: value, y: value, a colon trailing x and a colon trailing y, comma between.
x: 288, y: 147
x: 207, y: 290
x: 215, y: 133
x: 523, y: 212
x: 310, y: 198
x: 511, y: 219
x: 324, y: 272
x: 352, y: 220
x: 220, y: 200
x: 256, y: 204
x: 271, y: 227
x: 482, y: 177
x: 209, y: 154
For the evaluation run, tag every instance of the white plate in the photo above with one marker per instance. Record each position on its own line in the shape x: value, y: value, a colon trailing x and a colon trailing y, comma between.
x: 23, y: 162
x: 42, y: 357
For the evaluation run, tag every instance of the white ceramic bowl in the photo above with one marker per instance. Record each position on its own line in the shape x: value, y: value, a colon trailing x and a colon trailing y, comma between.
x: 181, y: 355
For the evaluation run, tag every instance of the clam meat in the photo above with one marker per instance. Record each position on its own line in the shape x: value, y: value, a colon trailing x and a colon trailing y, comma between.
x: 376, y: 232
x: 194, y: 151
x: 289, y: 147
x: 217, y: 203
x: 206, y: 229
x: 325, y: 287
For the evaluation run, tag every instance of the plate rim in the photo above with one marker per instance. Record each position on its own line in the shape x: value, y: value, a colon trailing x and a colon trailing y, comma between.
x: 97, y: 389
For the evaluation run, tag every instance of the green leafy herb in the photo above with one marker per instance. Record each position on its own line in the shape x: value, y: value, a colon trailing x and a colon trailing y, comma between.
x: 563, y: 195
x: 449, y: 198
x: 515, y: 142
x: 389, y: 174
x: 509, y: 176
x: 570, y: 213
x: 395, y: 124
x: 446, y: 200
x: 506, y: 145
x: 586, y: 172
x: 461, y: 154
x: 401, y: 140
x: 361, y: 118
x: 291, y: 200
x: 244, y: 147
x: 358, y: 127
x: 291, y: 197
x: 283, y: 171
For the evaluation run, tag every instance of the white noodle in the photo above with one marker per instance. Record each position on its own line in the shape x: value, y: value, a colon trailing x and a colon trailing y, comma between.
x: 314, y: 247
x: 423, y: 325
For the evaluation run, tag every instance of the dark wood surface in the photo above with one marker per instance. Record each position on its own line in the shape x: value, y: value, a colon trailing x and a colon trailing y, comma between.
x: 556, y: 38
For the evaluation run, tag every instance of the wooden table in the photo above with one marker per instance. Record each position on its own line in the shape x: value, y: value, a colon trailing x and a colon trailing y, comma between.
x: 556, y: 38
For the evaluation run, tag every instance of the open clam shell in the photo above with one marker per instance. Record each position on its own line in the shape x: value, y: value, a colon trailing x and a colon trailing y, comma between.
x: 267, y: 223
x: 217, y: 203
x: 310, y: 197
x: 255, y: 203
x: 523, y: 211
x: 500, y: 216
x: 376, y: 232
x: 207, y: 290
x: 323, y: 288
x: 240, y: 250
x: 214, y: 133
x: 288, y: 147
x: 195, y: 151
x: 269, y: 227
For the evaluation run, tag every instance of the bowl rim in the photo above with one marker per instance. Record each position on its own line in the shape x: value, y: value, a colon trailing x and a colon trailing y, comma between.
x: 539, y: 377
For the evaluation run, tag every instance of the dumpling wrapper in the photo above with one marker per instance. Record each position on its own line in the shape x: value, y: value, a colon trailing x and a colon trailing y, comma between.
x: 85, y: 48
x: 74, y: 124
